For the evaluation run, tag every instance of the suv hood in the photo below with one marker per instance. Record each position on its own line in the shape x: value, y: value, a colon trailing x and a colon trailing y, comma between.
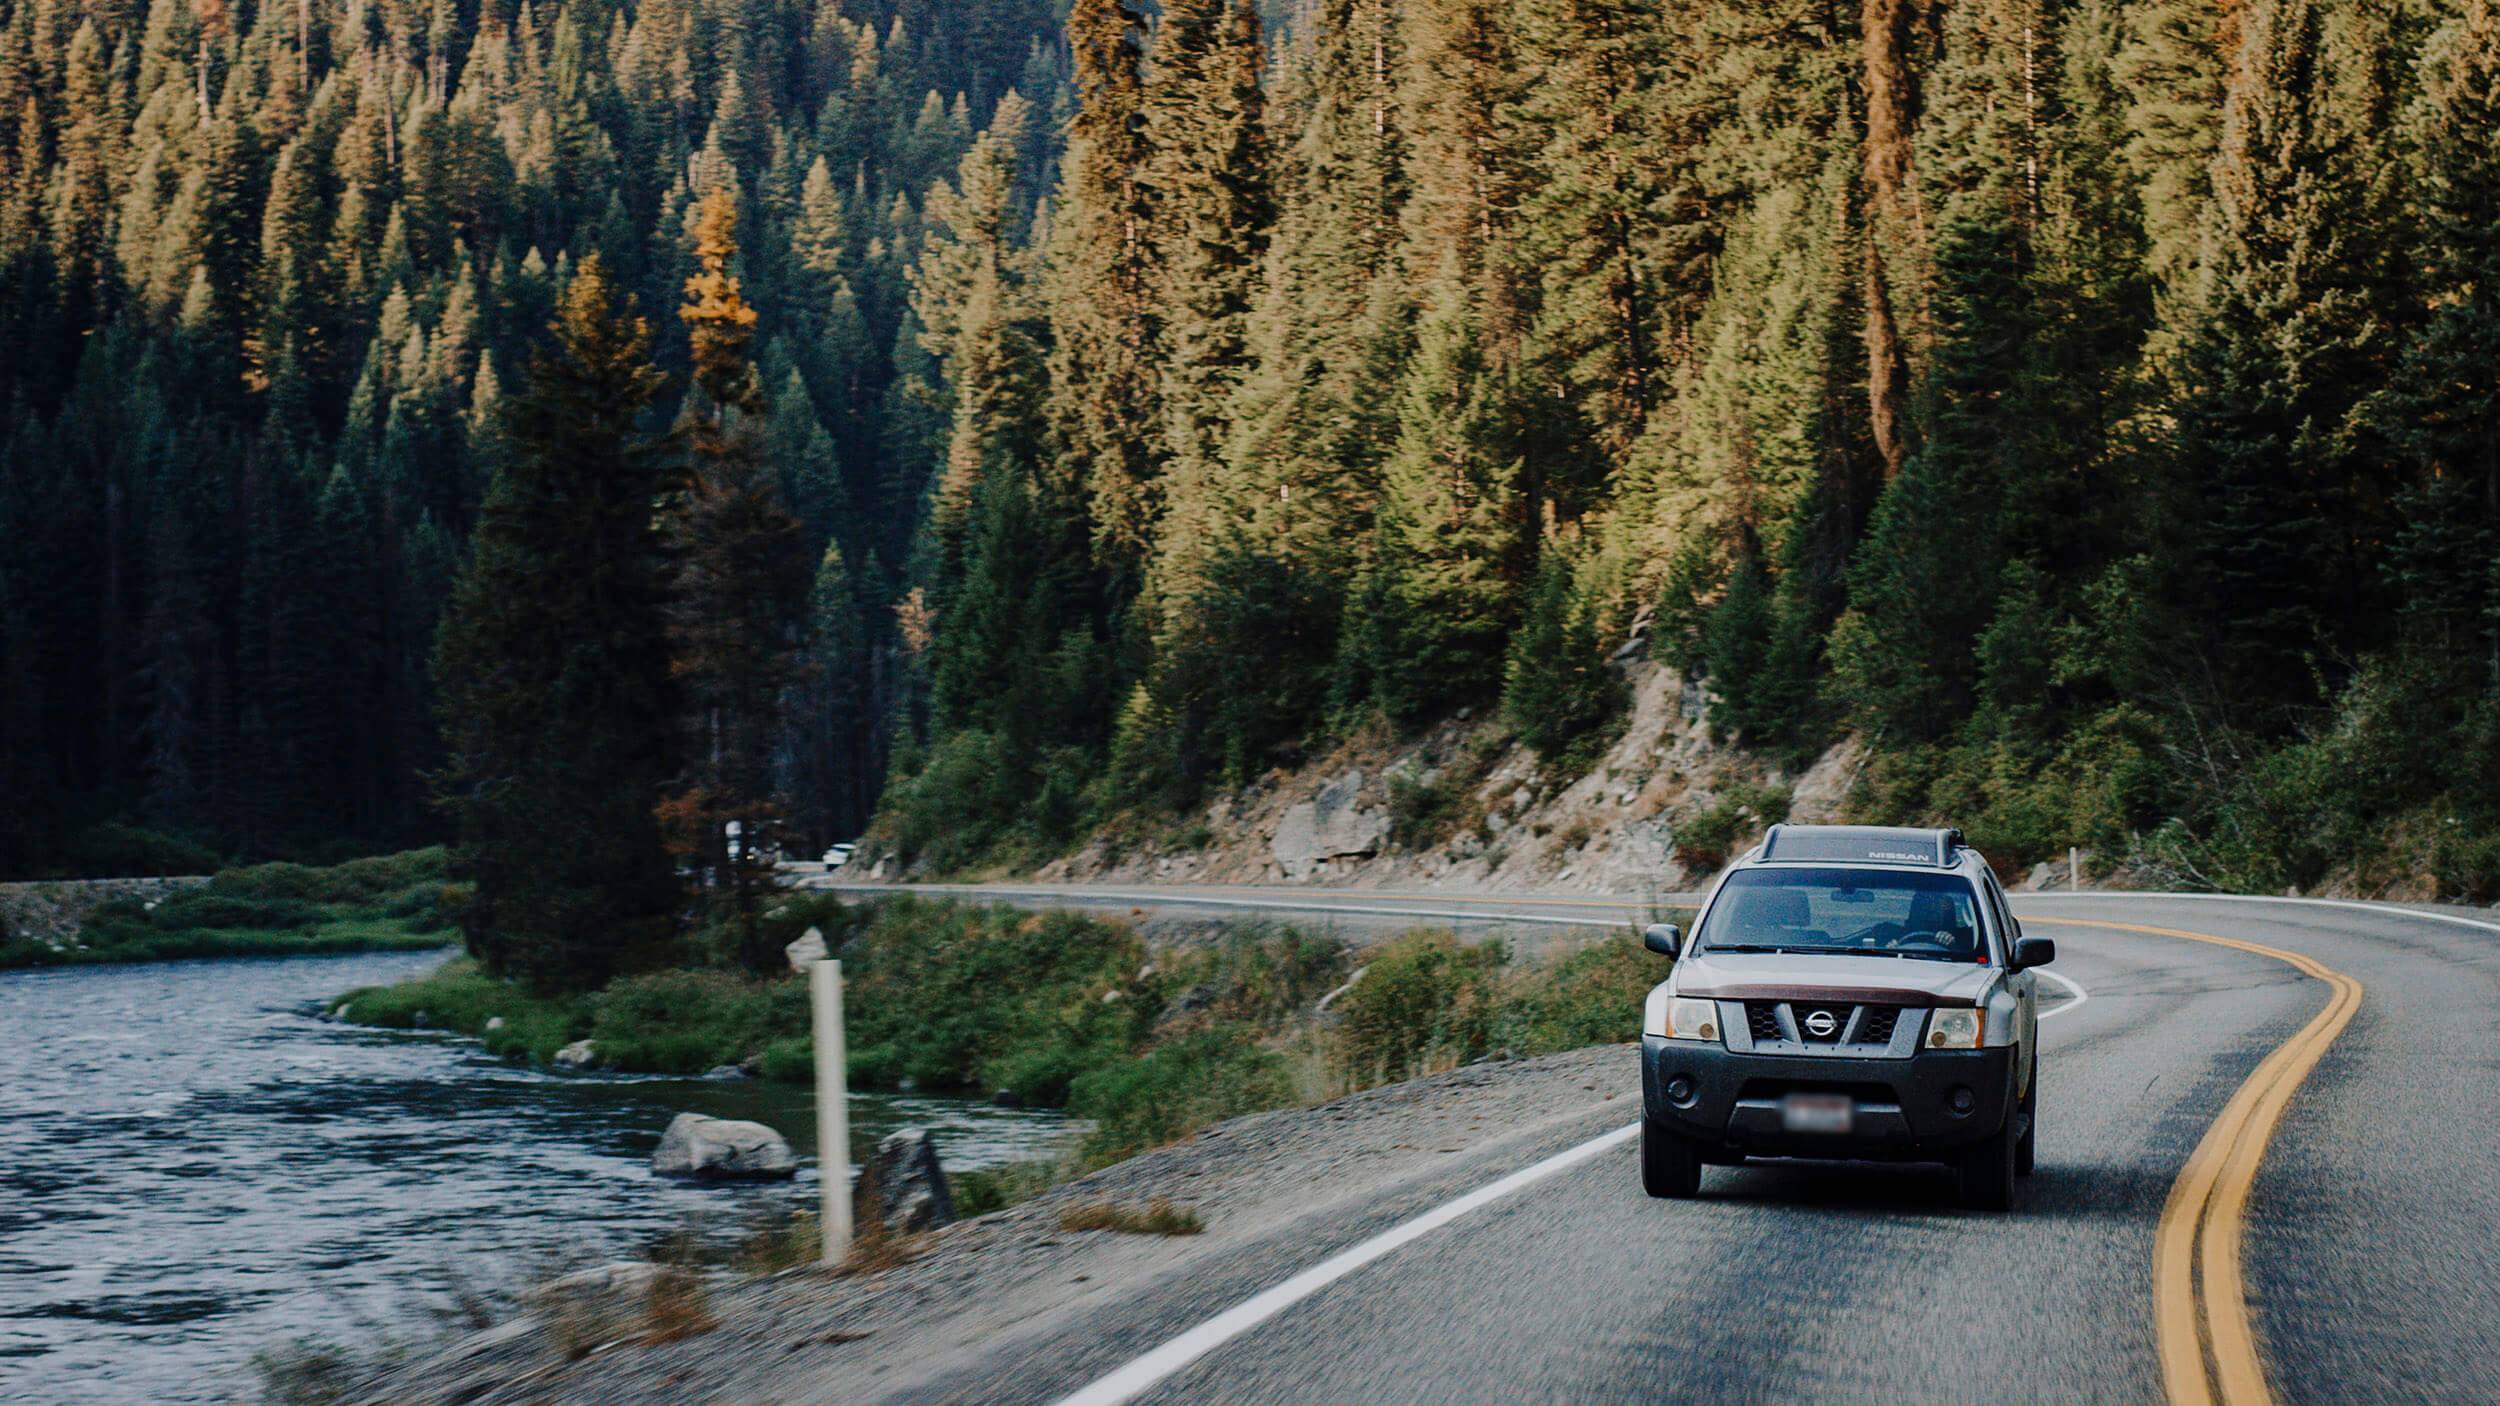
x: 1879, y: 981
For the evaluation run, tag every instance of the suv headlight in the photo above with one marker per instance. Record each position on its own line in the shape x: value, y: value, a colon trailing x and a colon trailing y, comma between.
x: 1690, y: 1018
x: 1953, y: 1028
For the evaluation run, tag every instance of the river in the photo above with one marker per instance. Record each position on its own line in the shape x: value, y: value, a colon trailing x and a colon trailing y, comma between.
x: 195, y: 1167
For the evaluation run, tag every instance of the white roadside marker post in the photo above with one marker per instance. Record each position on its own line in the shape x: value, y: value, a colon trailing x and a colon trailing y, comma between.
x: 833, y: 1109
x: 2074, y: 868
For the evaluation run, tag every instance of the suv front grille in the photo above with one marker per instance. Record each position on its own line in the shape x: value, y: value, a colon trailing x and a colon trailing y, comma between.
x: 1875, y: 1024
x: 1763, y: 1019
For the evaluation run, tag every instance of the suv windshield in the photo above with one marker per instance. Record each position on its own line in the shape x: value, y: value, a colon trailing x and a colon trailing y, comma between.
x: 1855, y: 911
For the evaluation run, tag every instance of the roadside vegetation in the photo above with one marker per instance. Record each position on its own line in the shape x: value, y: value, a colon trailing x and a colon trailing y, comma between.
x: 1160, y: 1217
x: 1067, y: 1010
x: 389, y: 901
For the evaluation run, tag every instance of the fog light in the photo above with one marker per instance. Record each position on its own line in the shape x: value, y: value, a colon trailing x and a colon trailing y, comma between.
x: 1679, y: 1090
x: 1962, y: 1099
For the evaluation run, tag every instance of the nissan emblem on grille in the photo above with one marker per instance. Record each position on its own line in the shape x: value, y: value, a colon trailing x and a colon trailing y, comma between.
x: 1820, y: 1024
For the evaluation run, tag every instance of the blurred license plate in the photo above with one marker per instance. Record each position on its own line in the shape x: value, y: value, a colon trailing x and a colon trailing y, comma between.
x: 1815, y: 1113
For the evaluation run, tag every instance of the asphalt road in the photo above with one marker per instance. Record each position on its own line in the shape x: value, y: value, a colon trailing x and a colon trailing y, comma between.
x: 2369, y: 1240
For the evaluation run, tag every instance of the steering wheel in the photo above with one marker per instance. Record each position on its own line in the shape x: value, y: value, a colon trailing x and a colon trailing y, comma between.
x: 1904, y: 941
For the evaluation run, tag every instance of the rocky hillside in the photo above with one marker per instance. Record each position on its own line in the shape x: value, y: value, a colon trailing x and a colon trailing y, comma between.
x: 52, y: 912
x: 1464, y: 806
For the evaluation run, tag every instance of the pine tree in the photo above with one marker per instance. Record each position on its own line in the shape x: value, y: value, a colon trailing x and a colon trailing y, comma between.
x: 558, y: 710
x: 2444, y: 405
x: 2279, y: 503
x: 1451, y: 526
x: 1104, y: 411
x: 1330, y: 327
x: 1207, y: 177
x: 1559, y: 689
x: 739, y: 574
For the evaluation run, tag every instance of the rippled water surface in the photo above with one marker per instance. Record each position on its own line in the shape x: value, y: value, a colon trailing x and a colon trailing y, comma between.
x: 194, y: 1167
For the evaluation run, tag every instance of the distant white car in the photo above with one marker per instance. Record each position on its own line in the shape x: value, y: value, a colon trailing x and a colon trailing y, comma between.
x: 838, y: 856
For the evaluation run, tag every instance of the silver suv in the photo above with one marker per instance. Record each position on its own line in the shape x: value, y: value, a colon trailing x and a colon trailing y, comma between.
x: 1849, y: 991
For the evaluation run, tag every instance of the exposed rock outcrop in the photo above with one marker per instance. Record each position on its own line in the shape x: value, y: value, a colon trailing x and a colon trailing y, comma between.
x: 581, y: 1054
x: 722, y: 1149
x: 1330, y: 826
x: 52, y: 911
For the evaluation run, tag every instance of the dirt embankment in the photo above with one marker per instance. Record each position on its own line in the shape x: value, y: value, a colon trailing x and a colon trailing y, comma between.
x: 1270, y: 1190
x: 1463, y: 807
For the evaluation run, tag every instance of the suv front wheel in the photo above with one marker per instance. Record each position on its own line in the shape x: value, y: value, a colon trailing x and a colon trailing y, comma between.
x: 1987, y: 1170
x: 1670, y: 1165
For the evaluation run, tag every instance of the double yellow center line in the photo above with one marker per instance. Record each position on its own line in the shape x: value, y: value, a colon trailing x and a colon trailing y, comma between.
x: 2207, y: 1344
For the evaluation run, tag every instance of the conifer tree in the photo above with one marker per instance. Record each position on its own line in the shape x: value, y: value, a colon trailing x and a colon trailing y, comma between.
x: 2288, y: 334
x: 2444, y: 405
x: 1104, y: 412
x: 1449, y: 558
x: 1208, y: 179
x: 738, y: 573
x: 558, y: 711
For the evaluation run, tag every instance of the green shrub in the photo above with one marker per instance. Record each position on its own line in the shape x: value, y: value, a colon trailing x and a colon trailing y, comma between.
x: 988, y: 1189
x: 1425, y: 1001
x: 1591, y: 996
x: 685, y: 1022
x: 1705, y: 839
x: 1422, y: 811
x: 981, y: 998
x: 458, y: 997
x: 792, y: 1060
x: 1176, y: 1088
x: 358, y: 881
x: 2466, y: 861
x: 208, y: 908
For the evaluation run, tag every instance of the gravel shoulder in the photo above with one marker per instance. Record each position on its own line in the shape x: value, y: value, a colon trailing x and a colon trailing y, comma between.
x: 1280, y: 1187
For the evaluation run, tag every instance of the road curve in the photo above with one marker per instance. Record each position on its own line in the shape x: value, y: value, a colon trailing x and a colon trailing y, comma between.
x: 2366, y: 1232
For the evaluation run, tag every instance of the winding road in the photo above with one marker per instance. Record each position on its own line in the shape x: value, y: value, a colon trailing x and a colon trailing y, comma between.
x: 2269, y: 1169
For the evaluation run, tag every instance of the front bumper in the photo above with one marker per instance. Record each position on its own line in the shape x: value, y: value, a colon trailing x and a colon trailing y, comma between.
x: 1900, y: 1108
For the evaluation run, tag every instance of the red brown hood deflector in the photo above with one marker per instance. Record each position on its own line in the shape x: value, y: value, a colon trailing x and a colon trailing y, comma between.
x: 1835, y: 995
x: 1865, y: 981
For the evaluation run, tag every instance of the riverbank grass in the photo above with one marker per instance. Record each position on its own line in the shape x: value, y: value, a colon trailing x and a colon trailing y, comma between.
x: 388, y: 902
x: 1067, y: 1010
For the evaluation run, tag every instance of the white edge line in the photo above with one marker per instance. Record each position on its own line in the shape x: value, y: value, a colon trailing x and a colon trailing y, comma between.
x: 2073, y: 988
x: 1126, y: 1382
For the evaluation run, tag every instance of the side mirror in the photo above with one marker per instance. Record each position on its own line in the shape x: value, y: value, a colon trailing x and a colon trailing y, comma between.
x: 2032, y: 952
x: 1663, y: 939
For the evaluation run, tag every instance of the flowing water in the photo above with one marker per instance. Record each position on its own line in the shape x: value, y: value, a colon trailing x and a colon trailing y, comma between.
x: 195, y: 1167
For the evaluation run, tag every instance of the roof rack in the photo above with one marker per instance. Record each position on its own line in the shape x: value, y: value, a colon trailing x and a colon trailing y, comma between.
x: 1879, y: 844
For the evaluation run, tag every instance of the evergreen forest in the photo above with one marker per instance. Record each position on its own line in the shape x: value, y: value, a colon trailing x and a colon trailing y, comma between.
x: 585, y: 429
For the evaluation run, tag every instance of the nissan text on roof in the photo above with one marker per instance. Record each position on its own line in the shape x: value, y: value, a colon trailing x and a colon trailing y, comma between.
x: 1855, y: 992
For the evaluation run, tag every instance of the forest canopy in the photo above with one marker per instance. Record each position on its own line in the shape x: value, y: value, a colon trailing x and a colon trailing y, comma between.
x: 2092, y: 405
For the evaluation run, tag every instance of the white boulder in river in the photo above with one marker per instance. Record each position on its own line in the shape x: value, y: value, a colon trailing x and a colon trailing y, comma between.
x: 722, y: 1149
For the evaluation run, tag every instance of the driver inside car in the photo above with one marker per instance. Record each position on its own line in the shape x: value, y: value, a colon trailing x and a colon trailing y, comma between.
x: 1937, y: 918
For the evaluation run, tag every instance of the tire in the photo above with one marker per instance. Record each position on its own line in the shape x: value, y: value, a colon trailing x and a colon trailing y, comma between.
x: 1670, y: 1165
x: 2031, y: 1123
x: 1987, y: 1171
